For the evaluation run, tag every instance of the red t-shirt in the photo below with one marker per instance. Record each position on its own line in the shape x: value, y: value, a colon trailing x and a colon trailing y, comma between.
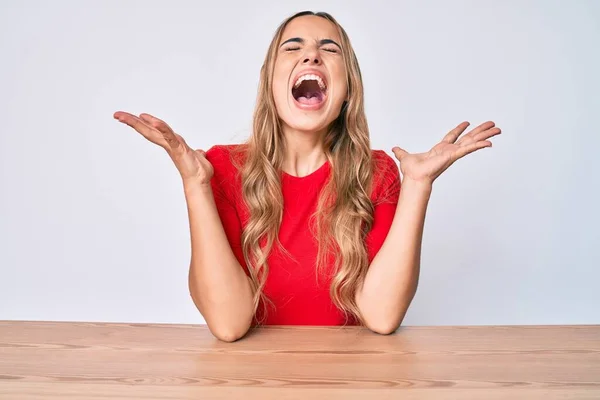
x: 299, y: 298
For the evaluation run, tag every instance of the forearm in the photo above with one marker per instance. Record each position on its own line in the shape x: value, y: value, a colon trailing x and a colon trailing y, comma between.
x: 392, y: 279
x: 218, y: 284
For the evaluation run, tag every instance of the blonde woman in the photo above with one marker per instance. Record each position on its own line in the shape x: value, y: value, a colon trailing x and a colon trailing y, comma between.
x: 305, y: 224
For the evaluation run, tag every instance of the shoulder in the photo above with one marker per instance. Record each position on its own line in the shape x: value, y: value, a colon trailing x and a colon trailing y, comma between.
x: 220, y: 153
x: 384, y: 165
x: 224, y: 158
x: 226, y: 177
x: 386, y: 177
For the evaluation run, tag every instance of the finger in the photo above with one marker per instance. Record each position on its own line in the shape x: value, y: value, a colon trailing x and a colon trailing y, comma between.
x: 174, y: 141
x: 467, y: 149
x: 156, y: 122
x: 481, y: 128
x: 135, y: 123
x: 455, y: 133
x: 399, y: 153
x: 165, y: 140
x: 479, y: 136
x: 487, y: 134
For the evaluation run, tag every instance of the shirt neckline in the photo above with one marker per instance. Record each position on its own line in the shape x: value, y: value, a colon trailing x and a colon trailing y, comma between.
x: 313, y: 175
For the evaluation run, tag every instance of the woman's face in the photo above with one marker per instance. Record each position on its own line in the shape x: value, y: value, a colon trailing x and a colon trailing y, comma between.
x: 309, y: 79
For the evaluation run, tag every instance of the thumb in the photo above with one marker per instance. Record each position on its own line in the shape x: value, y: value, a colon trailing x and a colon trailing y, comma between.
x: 399, y: 152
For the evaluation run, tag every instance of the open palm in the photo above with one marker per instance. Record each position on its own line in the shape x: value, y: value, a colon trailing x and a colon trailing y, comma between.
x: 192, y: 164
x: 426, y: 167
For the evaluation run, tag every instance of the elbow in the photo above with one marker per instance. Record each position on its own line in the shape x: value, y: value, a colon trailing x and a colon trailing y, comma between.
x: 228, y: 334
x: 228, y: 325
x: 384, y: 323
x: 385, y: 327
x: 226, y: 321
x: 229, y: 329
x: 385, y: 319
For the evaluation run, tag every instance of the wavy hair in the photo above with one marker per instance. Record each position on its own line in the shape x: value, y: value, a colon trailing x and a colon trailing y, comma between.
x: 344, y: 213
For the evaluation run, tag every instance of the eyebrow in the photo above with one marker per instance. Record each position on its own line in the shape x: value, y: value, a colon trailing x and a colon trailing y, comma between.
x: 302, y: 41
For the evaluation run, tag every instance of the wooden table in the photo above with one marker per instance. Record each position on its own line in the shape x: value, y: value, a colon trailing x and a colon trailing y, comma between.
x: 66, y: 360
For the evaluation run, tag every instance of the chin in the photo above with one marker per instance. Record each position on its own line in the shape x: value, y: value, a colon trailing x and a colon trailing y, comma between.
x: 307, y: 123
x: 307, y: 120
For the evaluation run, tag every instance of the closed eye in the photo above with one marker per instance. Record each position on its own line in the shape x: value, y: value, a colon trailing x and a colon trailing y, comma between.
x: 298, y: 48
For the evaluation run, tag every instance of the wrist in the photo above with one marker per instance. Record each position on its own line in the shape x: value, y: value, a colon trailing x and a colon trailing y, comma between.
x: 192, y: 186
x: 420, y: 185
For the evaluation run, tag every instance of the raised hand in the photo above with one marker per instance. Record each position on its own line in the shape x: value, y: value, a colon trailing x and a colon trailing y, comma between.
x: 426, y: 167
x: 191, y: 164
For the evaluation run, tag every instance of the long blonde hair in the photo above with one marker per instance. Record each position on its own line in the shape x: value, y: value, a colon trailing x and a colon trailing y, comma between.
x: 344, y: 213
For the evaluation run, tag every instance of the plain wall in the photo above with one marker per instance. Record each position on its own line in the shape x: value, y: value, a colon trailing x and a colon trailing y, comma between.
x: 93, y: 220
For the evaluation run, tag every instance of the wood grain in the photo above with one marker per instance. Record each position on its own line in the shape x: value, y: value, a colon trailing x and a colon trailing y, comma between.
x: 89, y: 360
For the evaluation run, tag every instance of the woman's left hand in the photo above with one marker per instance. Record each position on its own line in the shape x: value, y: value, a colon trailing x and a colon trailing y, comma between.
x: 426, y: 167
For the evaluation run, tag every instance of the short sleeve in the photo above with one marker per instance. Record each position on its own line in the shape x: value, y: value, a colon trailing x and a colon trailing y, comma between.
x: 386, y: 193
x: 223, y: 184
x: 386, y: 180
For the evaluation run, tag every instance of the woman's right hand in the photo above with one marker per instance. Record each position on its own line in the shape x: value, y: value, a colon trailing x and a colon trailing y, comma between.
x: 191, y: 164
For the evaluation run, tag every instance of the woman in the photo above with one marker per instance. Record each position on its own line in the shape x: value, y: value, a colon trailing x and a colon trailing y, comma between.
x: 304, y: 224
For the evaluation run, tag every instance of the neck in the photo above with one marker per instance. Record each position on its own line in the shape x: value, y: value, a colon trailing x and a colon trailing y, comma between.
x: 304, y: 152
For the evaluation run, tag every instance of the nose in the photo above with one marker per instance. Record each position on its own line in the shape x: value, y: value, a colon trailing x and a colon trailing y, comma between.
x: 311, y: 57
x: 313, y: 60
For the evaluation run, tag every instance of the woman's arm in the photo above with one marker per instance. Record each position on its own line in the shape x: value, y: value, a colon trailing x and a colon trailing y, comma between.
x: 391, y: 282
x: 218, y: 284
x: 392, y: 278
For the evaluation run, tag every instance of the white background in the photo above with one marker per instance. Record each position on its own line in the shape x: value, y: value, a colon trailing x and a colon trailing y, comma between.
x: 93, y: 220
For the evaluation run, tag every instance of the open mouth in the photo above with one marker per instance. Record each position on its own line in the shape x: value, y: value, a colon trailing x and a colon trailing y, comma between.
x: 310, y: 91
